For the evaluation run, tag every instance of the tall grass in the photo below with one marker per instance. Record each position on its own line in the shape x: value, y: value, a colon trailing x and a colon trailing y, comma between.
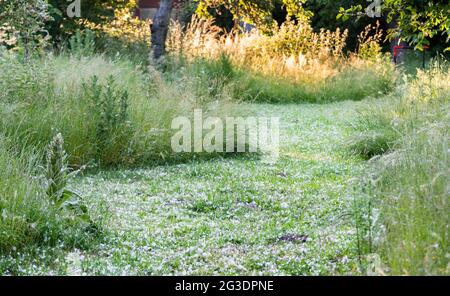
x: 22, y: 205
x: 292, y: 64
x: 408, y: 202
x: 110, y: 112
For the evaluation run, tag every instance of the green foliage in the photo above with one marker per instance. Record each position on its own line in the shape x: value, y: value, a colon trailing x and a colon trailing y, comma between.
x: 121, y: 117
x: 36, y: 209
x: 265, y: 89
x: 354, y: 82
x: 324, y: 17
x: 295, y: 37
x: 376, y: 135
x: 61, y: 27
x: 258, y: 13
x: 57, y: 174
x: 109, y: 108
x: 218, y: 208
x: 417, y: 21
x: 82, y: 43
x: 114, y: 113
x: 22, y: 213
x: 110, y: 112
x: 212, y: 76
x: 267, y: 14
x: 293, y: 64
x: 22, y: 22
x: 87, y: 42
x: 21, y: 82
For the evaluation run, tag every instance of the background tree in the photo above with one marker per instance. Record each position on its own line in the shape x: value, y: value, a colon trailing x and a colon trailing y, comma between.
x: 61, y: 26
x: 22, y: 21
x: 160, y: 27
x: 256, y: 12
x: 324, y: 16
x: 267, y: 13
x: 417, y: 22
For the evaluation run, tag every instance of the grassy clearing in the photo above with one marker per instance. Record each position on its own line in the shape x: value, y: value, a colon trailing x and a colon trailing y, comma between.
x: 152, y: 211
x: 233, y: 216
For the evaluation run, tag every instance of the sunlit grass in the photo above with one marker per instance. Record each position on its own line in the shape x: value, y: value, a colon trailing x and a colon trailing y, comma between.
x: 294, y: 64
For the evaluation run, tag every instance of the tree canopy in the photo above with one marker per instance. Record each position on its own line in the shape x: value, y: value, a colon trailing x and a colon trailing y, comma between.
x: 417, y: 22
x: 95, y: 11
x: 256, y: 12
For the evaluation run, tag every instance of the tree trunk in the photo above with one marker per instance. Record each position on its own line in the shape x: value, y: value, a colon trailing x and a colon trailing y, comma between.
x: 160, y: 27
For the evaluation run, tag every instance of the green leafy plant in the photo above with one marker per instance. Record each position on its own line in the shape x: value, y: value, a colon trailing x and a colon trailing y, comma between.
x: 82, y: 43
x: 254, y: 12
x: 57, y: 173
x: 110, y: 110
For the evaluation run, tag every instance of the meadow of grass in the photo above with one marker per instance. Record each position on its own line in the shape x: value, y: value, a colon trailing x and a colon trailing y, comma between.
x: 234, y: 216
x: 109, y: 112
x: 372, y: 198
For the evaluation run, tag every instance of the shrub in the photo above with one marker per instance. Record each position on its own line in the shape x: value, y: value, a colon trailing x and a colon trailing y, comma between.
x: 124, y: 35
x: 22, y: 22
x: 20, y: 82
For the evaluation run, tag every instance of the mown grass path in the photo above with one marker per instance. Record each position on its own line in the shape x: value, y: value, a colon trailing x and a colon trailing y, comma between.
x: 236, y: 216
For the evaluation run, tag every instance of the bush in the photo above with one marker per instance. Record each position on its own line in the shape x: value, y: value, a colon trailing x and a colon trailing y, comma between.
x: 109, y: 109
x: 22, y: 26
x: 20, y: 82
x: 82, y: 44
